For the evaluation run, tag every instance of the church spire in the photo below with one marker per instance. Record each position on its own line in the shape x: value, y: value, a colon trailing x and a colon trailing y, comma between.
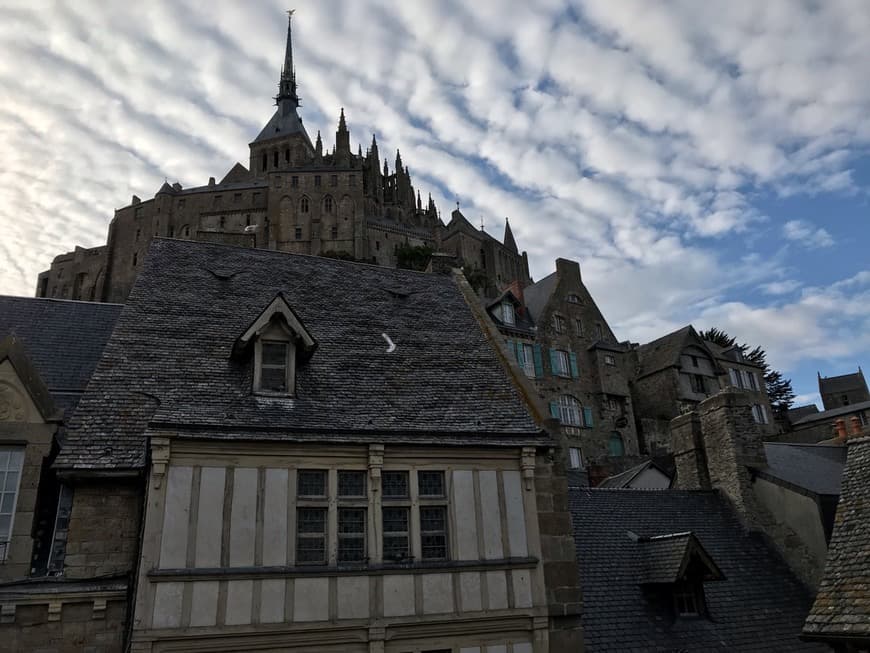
x: 287, y: 84
x: 508, y: 240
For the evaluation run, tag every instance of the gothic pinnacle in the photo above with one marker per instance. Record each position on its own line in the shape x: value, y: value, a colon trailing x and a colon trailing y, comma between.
x: 287, y: 83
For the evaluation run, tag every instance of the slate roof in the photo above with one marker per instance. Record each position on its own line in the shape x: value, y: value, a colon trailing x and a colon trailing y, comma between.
x: 283, y: 122
x: 842, y: 606
x: 798, y: 412
x: 169, y: 361
x: 538, y: 294
x: 817, y: 468
x: 760, y: 605
x: 665, y: 351
x: 63, y: 339
x: 664, y: 557
x: 624, y: 479
x: 842, y: 383
x: 833, y: 413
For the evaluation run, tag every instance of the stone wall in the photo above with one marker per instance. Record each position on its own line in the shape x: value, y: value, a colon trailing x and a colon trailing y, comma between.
x: 68, y: 627
x: 104, y: 529
x: 561, y: 575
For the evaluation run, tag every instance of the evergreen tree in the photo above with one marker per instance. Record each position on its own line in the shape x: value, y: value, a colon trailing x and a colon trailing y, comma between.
x: 779, y: 390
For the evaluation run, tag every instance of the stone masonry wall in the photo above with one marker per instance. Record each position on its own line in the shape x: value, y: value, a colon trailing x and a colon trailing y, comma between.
x: 76, y: 628
x: 104, y: 529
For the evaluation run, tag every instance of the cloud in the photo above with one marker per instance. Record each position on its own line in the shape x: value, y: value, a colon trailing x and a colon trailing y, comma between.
x: 780, y: 287
x: 806, y: 234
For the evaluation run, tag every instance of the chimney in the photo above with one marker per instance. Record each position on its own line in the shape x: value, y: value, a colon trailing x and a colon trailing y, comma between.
x: 840, y: 429
x: 566, y: 268
x: 211, y: 181
x: 689, y: 457
x: 855, y: 422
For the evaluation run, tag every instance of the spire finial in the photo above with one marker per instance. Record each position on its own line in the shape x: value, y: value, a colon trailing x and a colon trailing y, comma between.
x: 342, y: 125
x: 287, y: 83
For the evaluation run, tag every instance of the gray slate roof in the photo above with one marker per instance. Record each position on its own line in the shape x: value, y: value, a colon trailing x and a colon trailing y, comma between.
x: 624, y: 479
x: 798, y: 412
x: 760, y: 606
x: 283, y: 122
x: 169, y: 360
x: 842, y: 606
x: 665, y: 351
x: 663, y: 557
x: 842, y: 383
x: 538, y: 294
x: 63, y: 339
x: 817, y: 468
x: 834, y: 413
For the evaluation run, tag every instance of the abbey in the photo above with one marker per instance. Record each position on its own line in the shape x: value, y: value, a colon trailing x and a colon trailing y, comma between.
x: 295, y: 197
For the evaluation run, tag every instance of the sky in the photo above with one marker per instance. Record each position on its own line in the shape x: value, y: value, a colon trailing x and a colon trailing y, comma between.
x: 705, y: 162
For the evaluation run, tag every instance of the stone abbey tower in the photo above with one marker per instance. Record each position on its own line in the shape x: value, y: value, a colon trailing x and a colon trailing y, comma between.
x: 294, y: 197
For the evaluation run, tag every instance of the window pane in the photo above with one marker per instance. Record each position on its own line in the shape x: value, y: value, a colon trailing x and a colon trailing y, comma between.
x: 275, y: 353
x: 395, y: 547
x: 351, y: 534
x: 351, y: 483
x: 310, y: 549
x: 7, y: 503
x: 11, y: 481
x: 431, y: 484
x: 395, y: 484
x: 395, y: 525
x: 395, y: 520
x: 433, y: 532
x: 273, y: 378
x: 311, y: 483
x: 311, y: 520
x: 432, y: 518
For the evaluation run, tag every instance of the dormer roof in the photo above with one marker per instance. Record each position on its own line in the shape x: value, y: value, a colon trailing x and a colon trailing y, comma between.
x: 278, y: 309
x: 673, y: 557
x: 11, y: 349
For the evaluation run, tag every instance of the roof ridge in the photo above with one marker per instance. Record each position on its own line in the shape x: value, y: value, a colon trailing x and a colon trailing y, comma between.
x: 58, y: 299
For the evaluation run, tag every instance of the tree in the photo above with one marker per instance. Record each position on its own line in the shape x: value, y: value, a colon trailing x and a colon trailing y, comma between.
x: 410, y: 257
x: 779, y: 390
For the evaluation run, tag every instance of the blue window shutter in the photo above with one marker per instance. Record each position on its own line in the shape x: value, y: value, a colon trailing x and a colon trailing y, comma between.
x: 587, y: 416
x: 539, y: 360
x: 519, y: 352
x: 574, y: 371
x: 554, y: 362
x: 554, y: 409
x: 510, y: 346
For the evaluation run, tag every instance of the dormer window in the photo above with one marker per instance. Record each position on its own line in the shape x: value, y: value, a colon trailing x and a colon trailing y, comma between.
x: 274, y: 367
x: 508, y: 315
x: 688, y: 599
x: 280, y: 343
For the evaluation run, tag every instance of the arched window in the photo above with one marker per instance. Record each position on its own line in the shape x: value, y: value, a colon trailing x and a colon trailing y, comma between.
x: 615, y: 446
x: 327, y: 204
x: 263, y: 162
x: 287, y: 155
x: 303, y: 205
x: 569, y: 411
x: 275, y: 159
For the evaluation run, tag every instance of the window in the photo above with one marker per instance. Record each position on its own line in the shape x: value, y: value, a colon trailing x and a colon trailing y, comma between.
x: 431, y: 484
x: 734, y: 375
x: 433, y: 532
x: 294, y: 181
x: 181, y: 204
x: 507, y: 313
x: 352, y: 484
x: 317, y: 181
x: 333, y: 180
x: 698, y: 384
x: 395, y: 525
x: 61, y: 531
x: 749, y: 380
x: 573, y: 299
x: 759, y: 414
x: 275, y: 159
x: 255, y: 198
x: 303, y: 205
x: 845, y: 400
x: 599, y: 332
x: 351, y: 180
x: 279, y: 181
x: 274, y: 366
x: 11, y: 460
x: 558, y: 324
x: 687, y: 599
x: 560, y: 362
x: 395, y: 485
x: 578, y: 326
x: 327, y: 204
x: 311, y: 483
x: 609, y: 359
x: 298, y: 233
x: 333, y: 232
x: 526, y: 359
x: 311, y: 535
x: 263, y: 162
x: 574, y: 458
x: 615, y: 445
x: 237, y: 197
x: 694, y: 361
x: 569, y: 411
x: 351, y: 534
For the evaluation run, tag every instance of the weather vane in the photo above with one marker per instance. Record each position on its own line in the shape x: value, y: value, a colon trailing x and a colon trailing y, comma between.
x: 290, y: 12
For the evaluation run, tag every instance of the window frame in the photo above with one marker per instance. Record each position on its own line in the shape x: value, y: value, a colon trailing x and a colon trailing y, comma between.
x: 528, y: 362
x: 289, y: 365
x: 508, y: 314
x: 567, y: 404
x: 575, y: 458
x: 564, y: 359
x: 609, y: 359
x: 558, y: 322
x: 19, y: 453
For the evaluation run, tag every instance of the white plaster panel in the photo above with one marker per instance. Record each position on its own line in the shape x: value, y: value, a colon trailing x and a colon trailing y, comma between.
x: 275, y: 518
x: 490, y: 515
x: 437, y: 593
x: 272, y: 600
x: 167, y: 605
x: 203, y: 603
x: 240, y: 594
x: 463, y: 503
x: 243, y: 517
x: 176, y: 517
x: 311, y: 599
x: 496, y: 585
x: 498, y: 648
x: 469, y: 591
x: 470, y: 649
x: 398, y: 595
x: 522, y: 647
x: 522, y: 582
x: 210, y: 518
x: 518, y: 546
x: 353, y: 597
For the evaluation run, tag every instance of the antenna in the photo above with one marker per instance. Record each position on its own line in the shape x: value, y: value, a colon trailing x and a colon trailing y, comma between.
x: 481, y: 222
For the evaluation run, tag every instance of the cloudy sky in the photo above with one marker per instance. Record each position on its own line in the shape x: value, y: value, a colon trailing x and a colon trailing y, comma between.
x: 706, y: 162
